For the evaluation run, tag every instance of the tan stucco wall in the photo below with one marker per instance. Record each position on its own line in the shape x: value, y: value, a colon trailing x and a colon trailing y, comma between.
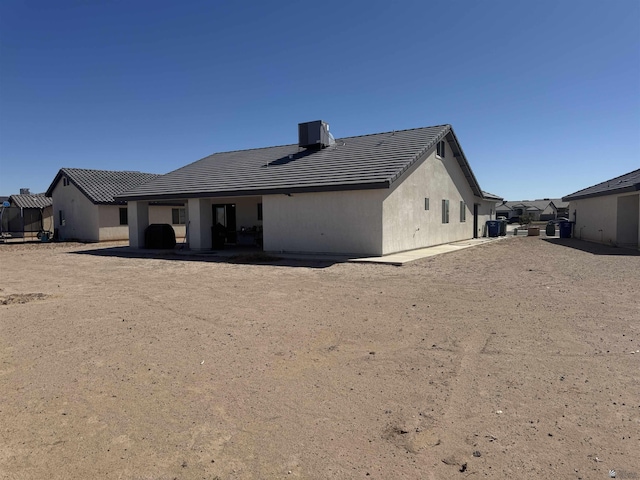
x: 109, y: 223
x: 486, y: 211
x: 81, y: 216
x: 162, y: 214
x: 110, y: 228
x: 597, y: 218
x: 407, y: 225
x: 326, y: 222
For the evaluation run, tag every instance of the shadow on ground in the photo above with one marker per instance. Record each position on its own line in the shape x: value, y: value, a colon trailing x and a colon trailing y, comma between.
x: 593, y: 248
x: 244, y: 257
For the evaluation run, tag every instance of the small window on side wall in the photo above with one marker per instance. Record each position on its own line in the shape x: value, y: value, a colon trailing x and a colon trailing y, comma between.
x: 65, y: 181
x: 440, y: 149
x: 426, y: 204
x: 445, y: 211
x: 260, y: 211
x: 124, y: 216
x: 178, y: 216
x: 463, y: 212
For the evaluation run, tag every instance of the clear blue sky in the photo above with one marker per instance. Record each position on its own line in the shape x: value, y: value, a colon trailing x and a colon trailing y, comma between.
x: 544, y: 96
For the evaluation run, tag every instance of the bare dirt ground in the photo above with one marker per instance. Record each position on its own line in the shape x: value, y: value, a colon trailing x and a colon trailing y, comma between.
x: 517, y: 359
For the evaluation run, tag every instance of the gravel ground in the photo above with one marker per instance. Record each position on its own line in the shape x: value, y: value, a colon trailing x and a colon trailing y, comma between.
x: 510, y: 360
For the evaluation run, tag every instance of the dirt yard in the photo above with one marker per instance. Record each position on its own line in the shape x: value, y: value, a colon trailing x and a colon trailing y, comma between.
x: 517, y: 359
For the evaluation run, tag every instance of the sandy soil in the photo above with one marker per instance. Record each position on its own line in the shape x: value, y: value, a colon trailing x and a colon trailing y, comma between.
x: 517, y: 359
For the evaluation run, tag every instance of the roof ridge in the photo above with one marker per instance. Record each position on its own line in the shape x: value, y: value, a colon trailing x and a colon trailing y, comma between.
x: 338, y: 138
x: 111, y: 171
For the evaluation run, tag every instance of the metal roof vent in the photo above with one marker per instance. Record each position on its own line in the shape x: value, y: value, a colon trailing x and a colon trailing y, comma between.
x: 314, y: 135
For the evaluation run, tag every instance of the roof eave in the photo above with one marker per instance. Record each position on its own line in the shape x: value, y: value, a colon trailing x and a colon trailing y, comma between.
x: 464, y: 164
x: 577, y: 196
x: 256, y: 192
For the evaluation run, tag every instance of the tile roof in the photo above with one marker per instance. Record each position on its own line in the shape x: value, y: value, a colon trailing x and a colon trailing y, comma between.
x: 629, y: 182
x: 101, y: 186
x: 531, y: 205
x: 491, y: 196
x: 368, y: 161
x: 39, y: 200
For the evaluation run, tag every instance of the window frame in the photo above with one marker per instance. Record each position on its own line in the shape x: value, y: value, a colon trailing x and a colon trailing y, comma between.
x: 445, y: 211
x: 124, y: 216
x: 441, y: 150
x: 463, y: 212
x: 181, y: 214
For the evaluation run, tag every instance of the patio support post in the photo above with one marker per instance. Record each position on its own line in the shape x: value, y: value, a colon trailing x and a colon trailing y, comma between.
x: 200, y: 218
x: 138, y: 219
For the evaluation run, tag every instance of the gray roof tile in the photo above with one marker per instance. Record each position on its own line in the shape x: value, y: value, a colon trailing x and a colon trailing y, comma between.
x: 101, y: 186
x: 628, y: 182
x: 368, y: 161
x: 39, y: 200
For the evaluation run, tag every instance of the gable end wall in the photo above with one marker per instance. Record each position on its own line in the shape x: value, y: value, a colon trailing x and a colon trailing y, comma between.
x: 407, y: 225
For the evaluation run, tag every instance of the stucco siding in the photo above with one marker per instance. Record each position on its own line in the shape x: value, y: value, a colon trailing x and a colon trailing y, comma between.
x: 597, y: 219
x: 486, y: 211
x: 348, y: 222
x: 163, y: 214
x: 80, y: 215
x: 407, y: 225
x: 109, y: 223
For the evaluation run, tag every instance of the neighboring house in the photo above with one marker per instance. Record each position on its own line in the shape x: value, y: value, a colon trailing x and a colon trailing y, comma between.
x: 27, y: 215
x: 366, y: 195
x: 537, y: 210
x: 608, y: 212
x: 85, y: 208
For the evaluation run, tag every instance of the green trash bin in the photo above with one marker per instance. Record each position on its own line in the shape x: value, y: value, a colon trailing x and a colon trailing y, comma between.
x: 551, y: 229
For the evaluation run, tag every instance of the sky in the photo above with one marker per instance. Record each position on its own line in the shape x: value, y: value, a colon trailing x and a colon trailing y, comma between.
x: 544, y: 96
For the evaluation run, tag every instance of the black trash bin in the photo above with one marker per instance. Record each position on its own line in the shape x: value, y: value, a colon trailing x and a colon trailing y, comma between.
x: 218, y: 236
x: 503, y: 227
x: 159, y: 235
x: 493, y: 228
x: 565, y: 229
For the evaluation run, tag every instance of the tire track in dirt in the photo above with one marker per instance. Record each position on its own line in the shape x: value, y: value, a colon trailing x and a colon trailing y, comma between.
x: 454, y: 447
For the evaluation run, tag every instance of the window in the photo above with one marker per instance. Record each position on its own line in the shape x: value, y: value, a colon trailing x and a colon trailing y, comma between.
x: 178, y: 216
x: 445, y: 211
x: 61, y: 220
x: 259, y: 211
x: 440, y: 149
x: 65, y: 181
x: 463, y: 212
x: 426, y: 204
x: 124, y: 216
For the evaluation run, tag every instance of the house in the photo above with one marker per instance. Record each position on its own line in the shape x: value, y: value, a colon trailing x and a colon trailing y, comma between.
x: 608, y: 212
x: 85, y: 208
x: 537, y: 210
x: 26, y: 216
x: 366, y: 195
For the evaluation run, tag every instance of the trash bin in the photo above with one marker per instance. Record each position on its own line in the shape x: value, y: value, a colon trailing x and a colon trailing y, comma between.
x: 551, y: 229
x: 565, y: 229
x: 160, y: 236
x: 218, y: 236
x: 493, y: 228
x: 503, y: 228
